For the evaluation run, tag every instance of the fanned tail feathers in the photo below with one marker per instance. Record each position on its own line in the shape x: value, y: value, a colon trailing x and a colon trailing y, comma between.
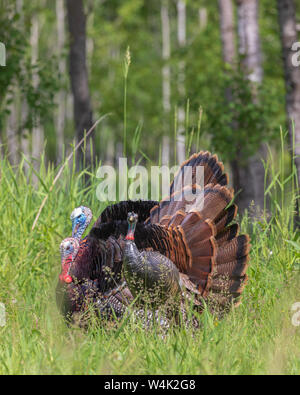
x: 194, y: 228
x: 199, y: 236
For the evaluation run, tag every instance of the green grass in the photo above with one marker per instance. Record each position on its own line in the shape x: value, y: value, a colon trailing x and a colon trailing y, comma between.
x: 256, y: 338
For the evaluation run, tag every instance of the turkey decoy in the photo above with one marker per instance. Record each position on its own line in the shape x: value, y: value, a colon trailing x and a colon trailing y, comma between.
x: 194, y: 231
x: 81, y: 218
x: 149, y: 274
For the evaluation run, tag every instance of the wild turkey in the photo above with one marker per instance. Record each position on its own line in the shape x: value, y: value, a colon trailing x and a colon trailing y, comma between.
x: 76, y: 297
x: 196, y: 235
x: 102, y: 259
x: 81, y: 218
x: 149, y: 274
x: 77, y: 301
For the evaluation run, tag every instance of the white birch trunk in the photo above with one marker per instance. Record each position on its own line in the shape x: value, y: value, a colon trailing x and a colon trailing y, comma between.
x: 227, y: 31
x: 12, y: 130
x: 12, y: 119
x: 289, y: 36
x: 181, y: 36
x: 24, y: 142
x: 166, y: 80
x: 37, y: 130
x: 23, y: 113
x: 202, y: 18
x: 61, y: 97
x: 249, y: 41
x: 251, y: 176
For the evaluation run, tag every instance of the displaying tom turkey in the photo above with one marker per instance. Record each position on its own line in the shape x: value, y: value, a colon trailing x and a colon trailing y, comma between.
x: 194, y: 231
x: 75, y: 296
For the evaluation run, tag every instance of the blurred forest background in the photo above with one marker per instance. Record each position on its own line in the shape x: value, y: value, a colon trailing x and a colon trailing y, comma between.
x: 183, y: 75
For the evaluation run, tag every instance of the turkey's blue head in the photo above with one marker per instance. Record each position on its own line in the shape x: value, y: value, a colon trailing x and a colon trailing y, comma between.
x: 68, y: 250
x: 81, y: 218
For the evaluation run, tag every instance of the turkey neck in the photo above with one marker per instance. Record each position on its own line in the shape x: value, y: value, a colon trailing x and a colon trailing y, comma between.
x: 132, y: 263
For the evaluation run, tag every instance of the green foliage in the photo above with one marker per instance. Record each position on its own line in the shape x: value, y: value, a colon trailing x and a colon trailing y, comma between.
x: 16, y: 44
x: 240, y: 124
x: 16, y: 79
x: 40, y: 98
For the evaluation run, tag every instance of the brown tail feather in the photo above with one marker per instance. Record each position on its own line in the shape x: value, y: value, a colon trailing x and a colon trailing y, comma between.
x: 213, y: 174
x: 213, y: 170
x: 217, y: 198
x: 210, y: 202
x: 227, y: 234
x: 165, y: 220
x: 225, y: 217
x: 236, y: 268
x: 235, y: 249
x: 178, y: 201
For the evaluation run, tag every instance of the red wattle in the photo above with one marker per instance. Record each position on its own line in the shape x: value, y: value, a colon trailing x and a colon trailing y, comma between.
x: 64, y: 276
x: 68, y: 279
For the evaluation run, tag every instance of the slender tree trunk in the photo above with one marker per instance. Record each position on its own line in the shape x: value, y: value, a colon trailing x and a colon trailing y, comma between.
x: 1, y: 143
x: 249, y: 41
x: 202, y: 18
x: 90, y: 45
x: 110, y: 151
x: 228, y: 38
x: 25, y: 133
x: 166, y: 80
x: 11, y: 132
x: 227, y: 31
x: 37, y: 130
x: 24, y: 145
x: 79, y: 75
x: 181, y: 36
x: 12, y: 124
x: 289, y: 36
x: 252, y: 175
x: 61, y: 97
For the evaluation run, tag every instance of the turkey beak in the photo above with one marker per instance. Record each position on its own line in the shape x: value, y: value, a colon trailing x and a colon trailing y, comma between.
x: 131, y: 219
x: 75, y: 229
